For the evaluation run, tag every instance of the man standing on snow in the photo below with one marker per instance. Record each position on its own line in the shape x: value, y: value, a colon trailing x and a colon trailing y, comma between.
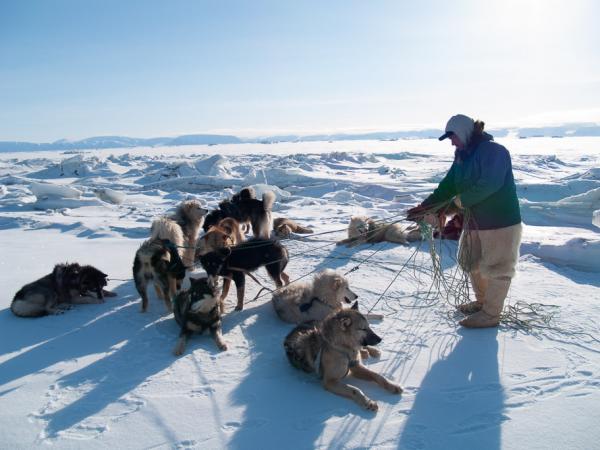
x: 481, y: 181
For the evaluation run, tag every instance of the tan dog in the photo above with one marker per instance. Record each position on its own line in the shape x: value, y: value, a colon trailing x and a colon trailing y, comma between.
x: 226, y: 233
x: 284, y: 226
x: 332, y: 350
x: 190, y: 217
x: 363, y: 229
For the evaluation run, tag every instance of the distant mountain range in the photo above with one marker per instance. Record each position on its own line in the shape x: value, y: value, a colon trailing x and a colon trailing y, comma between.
x: 102, y: 142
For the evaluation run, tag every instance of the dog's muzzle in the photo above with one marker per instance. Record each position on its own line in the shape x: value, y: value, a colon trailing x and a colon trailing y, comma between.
x: 371, y: 338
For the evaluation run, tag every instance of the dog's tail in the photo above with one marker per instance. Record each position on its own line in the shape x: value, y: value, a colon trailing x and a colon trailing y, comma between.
x: 165, y: 228
x: 23, y: 308
x: 268, y: 200
x: 282, y: 307
x: 298, y: 344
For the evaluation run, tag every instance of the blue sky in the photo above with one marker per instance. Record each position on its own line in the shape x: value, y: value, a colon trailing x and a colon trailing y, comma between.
x: 75, y: 69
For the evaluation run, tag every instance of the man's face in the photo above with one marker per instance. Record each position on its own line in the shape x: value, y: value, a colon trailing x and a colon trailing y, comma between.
x: 456, y: 142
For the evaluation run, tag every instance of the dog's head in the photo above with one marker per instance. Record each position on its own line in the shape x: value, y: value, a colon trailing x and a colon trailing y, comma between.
x: 214, y: 239
x: 359, y: 226
x: 204, y: 295
x: 247, y: 193
x: 284, y: 230
x: 350, y: 328
x: 193, y: 210
x: 92, y: 280
x: 332, y: 288
x: 230, y: 226
x: 213, y: 262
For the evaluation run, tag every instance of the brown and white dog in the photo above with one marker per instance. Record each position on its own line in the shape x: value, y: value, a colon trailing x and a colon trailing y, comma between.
x: 226, y: 233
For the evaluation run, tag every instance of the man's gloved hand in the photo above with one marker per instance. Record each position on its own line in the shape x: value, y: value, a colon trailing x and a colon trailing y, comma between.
x: 431, y: 219
x: 457, y: 202
x: 417, y: 213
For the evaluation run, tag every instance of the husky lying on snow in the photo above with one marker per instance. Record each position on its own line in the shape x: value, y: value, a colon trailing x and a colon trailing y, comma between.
x: 234, y: 262
x: 328, y: 293
x: 300, y: 302
x: 332, y: 350
x: 196, y: 310
x: 283, y: 227
x: 246, y: 208
x: 68, y: 284
x: 363, y: 229
x: 158, y: 261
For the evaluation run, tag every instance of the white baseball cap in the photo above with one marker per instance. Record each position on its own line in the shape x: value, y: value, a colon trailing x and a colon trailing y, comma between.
x: 460, y: 125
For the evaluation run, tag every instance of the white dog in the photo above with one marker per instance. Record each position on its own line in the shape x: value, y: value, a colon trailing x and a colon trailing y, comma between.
x: 327, y: 293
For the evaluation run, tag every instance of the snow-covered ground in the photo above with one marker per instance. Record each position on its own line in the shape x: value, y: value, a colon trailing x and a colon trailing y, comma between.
x: 104, y: 375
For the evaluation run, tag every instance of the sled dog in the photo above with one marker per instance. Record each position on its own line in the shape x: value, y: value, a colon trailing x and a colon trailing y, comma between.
x: 299, y: 302
x: 182, y: 228
x: 226, y: 233
x: 158, y: 261
x: 68, y: 284
x: 245, y: 207
x: 196, y: 310
x: 190, y: 217
x: 284, y: 226
x: 331, y: 349
x: 234, y: 262
x: 363, y: 229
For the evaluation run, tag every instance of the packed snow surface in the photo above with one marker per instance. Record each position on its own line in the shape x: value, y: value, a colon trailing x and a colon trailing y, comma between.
x: 104, y: 375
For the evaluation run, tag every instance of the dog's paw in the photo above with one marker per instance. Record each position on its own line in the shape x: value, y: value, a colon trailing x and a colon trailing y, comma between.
x: 61, y: 308
x: 371, y: 405
x: 394, y: 388
x: 222, y: 346
x: 179, y: 349
x: 373, y: 352
x: 239, y: 307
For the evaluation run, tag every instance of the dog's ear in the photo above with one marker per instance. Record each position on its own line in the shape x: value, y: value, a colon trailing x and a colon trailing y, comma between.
x: 355, y: 306
x: 345, y: 322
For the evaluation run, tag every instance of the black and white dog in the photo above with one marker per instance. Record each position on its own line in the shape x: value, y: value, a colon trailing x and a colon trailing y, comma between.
x: 235, y: 262
x: 66, y: 285
x: 246, y: 208
x: 196, y: 310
